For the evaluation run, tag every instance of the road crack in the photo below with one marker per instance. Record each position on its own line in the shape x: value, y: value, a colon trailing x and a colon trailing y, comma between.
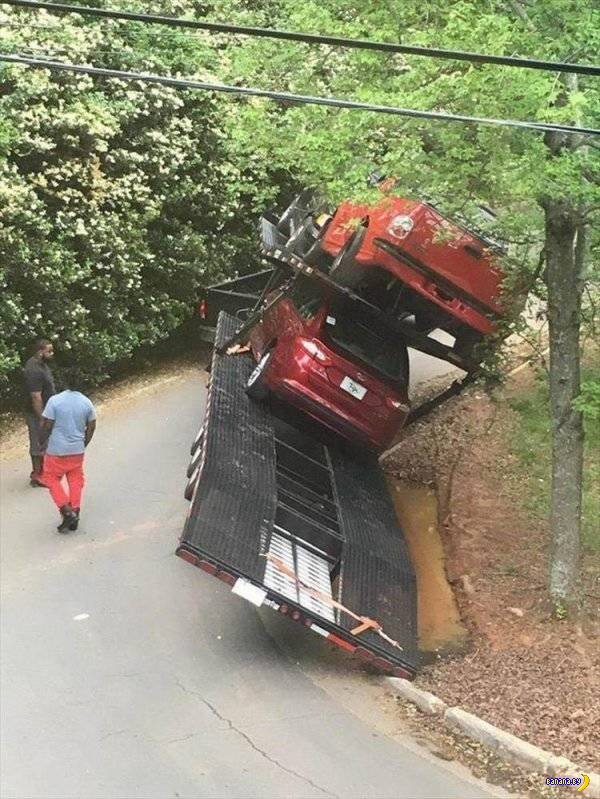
x: 251, y: 743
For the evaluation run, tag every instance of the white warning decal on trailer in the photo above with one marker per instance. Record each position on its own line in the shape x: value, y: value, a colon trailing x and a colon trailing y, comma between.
x: 253, y: 593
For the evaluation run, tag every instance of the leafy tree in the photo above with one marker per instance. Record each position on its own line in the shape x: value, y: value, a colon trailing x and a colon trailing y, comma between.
x: 117, y: 200
x: 545, y: 188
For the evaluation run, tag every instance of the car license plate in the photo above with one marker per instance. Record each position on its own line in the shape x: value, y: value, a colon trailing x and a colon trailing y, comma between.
x: 353, y: 388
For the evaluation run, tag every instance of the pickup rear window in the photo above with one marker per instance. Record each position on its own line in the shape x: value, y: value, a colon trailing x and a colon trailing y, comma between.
x: 359, y: 335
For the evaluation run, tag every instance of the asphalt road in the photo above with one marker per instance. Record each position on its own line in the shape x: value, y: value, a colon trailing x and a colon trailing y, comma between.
x: 128, y: 673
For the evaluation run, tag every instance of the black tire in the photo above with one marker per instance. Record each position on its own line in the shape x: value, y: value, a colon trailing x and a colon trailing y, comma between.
x: 466, y: 341
x: 194, y: 463
x: 197, y: 441
x: 256, y: 388
x: 191, y: 485
x: 344, y: 269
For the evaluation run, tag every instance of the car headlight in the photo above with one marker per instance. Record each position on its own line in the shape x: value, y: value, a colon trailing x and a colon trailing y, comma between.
x: 400, y: 226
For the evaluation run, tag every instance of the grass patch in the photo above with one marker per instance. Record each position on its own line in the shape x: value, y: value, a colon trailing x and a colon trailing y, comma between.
x: 531, y: 445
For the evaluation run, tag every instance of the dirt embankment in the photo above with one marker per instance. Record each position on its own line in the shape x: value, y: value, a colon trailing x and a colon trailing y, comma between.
x: 524, y: 671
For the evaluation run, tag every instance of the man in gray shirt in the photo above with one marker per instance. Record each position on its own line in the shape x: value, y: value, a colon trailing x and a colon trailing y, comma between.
x: 39, y: 387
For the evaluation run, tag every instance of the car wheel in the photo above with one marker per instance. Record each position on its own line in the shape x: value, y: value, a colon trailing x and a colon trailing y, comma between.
x: 344, y: 269
x: 191, y: 484
x: 194, y: 463
x: 197, y: 440
x: 466, y: 342
x: 256, y: 388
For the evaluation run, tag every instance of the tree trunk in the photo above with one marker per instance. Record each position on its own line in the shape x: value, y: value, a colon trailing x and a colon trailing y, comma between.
x: 564, y: 304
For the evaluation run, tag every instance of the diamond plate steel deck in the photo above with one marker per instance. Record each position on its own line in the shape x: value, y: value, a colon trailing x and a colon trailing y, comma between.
x: 234, y: 503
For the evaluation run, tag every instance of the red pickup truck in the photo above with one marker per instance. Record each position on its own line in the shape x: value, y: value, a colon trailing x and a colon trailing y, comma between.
x: 417, y: 261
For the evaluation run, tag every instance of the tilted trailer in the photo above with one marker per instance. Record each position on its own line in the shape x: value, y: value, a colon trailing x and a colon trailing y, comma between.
x: 297, y: 522
x: 287, y: 514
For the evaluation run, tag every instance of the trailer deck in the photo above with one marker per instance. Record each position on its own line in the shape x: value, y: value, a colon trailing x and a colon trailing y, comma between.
x: 293, y: 520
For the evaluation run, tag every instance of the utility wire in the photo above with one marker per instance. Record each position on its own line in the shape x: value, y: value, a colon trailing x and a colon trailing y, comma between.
x: 301, y: 99
x: 310, y: 38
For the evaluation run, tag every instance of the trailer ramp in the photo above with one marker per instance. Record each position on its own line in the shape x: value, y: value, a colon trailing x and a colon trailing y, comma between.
x: 298, y: 523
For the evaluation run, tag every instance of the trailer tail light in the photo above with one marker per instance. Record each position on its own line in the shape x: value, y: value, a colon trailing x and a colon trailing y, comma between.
x: 187, y: 555
x: 225, y: 577
x: 400, y: 226
x: 397, y: 671
x: 335, y: 639
x: 396, y: 405
x: 313, y: 349
x: 383, y: 665
x: 202, y: 309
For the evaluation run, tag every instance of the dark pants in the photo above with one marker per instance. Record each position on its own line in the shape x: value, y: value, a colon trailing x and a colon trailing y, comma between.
x: 35, y: 448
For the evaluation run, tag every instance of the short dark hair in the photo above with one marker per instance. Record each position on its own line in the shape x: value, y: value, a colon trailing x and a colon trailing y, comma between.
x: 40, y: 344
x: 70, y: 377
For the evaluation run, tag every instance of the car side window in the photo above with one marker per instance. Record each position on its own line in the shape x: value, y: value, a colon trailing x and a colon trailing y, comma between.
x: 306, y: 297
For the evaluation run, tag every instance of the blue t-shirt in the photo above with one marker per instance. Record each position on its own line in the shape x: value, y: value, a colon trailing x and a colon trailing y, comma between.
x: 70, y: 411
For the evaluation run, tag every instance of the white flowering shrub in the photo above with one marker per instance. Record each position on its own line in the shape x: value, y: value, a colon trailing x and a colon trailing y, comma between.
x: 118, y: 200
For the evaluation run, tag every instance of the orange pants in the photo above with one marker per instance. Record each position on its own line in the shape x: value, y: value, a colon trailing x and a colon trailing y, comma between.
x: 70, y: 466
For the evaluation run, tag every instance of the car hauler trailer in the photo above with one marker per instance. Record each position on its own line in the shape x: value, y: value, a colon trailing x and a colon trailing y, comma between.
x: 288, y: 516
x: 297, y: 522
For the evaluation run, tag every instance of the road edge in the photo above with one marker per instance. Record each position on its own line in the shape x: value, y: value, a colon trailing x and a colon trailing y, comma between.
x: 503, y: 744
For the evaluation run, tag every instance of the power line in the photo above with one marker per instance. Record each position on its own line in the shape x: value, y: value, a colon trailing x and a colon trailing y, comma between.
x: 310, y: 38
x: 301, y: 99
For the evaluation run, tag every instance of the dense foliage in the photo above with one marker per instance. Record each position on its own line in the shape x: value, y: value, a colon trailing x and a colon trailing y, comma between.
x: 457, y: 165
x: 117, y: 200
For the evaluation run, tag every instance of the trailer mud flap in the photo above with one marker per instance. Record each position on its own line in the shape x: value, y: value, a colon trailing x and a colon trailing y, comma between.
x: 298, y: 524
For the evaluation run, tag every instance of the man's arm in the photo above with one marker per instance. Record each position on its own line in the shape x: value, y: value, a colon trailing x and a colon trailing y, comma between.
x: 45, y: 430
x: 90, y: 429
x: 37, y: 403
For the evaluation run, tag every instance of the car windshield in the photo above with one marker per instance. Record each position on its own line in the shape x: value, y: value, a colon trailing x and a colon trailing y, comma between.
x: 360, y: 335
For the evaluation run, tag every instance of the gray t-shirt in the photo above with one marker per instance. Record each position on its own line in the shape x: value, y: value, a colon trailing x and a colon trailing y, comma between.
x: 37, y: 377
x: 70, y: 411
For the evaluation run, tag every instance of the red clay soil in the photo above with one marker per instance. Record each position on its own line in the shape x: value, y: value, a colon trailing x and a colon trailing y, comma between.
x: 531, y: 675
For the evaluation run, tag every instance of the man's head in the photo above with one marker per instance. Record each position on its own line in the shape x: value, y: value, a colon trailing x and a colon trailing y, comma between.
x: 70, y: 378
x: 43, y: 349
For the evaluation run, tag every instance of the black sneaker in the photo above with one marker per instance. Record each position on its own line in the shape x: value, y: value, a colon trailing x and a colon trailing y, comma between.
x: 74, y: 524
x: 68, y: 518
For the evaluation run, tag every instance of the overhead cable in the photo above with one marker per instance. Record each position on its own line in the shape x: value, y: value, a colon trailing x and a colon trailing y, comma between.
x: 286, y: 97
x: 310, y: 38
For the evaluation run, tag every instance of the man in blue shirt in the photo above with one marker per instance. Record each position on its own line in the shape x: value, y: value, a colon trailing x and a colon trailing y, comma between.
x: 69, y: 422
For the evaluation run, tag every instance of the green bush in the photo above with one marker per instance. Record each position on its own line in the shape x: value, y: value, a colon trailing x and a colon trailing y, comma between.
x: 118, y: 200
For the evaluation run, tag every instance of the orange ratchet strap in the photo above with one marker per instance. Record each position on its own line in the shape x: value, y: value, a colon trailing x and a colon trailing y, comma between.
x: 365, y: 622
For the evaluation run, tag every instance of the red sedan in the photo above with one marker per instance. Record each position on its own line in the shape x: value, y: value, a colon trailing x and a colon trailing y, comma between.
x: 329, y: 360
